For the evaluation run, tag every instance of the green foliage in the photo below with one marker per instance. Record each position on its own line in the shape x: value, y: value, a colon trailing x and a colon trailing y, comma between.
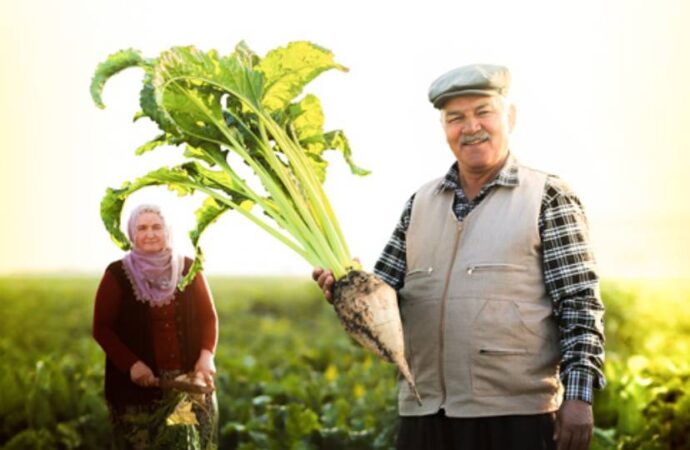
x: 644, y: 405
x: 115, y: 63
x: 240, y: 103
x: 289, y: 378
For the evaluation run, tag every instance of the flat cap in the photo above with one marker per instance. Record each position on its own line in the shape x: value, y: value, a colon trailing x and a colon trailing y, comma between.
x: 475, y: 79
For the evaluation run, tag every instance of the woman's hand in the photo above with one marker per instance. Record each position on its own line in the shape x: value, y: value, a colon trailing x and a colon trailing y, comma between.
x: 142, y: 375
x: 205, y: 367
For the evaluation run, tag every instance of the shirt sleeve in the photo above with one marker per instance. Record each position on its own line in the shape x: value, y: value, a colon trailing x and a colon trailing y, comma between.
x: 208, y: 319
x: 392, y: 264
x: 573, y: 284
x: 105, y: 314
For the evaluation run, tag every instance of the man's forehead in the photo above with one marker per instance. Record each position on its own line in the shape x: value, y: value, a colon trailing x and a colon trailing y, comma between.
x: 459, y: 105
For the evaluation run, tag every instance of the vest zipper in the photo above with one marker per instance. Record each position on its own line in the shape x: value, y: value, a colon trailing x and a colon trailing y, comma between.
x: 441, y: 374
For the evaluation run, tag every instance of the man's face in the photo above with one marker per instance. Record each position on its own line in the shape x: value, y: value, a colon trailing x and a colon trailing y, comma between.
x: 477, y: 129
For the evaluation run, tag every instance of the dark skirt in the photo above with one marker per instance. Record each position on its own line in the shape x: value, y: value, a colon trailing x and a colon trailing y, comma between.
x: 438, y: 432
x: 178, y: 421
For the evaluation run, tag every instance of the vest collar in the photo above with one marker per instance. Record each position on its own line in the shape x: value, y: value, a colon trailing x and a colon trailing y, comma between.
x: 507, y: 176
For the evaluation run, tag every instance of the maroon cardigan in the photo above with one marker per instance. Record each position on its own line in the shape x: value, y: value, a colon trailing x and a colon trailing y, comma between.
x: 122, y: 326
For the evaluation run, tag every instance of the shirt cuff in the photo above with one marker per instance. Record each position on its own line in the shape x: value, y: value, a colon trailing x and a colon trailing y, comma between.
x: 579, y: 386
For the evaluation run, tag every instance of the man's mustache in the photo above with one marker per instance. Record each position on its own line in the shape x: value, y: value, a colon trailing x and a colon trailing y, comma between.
x: 477, y: 137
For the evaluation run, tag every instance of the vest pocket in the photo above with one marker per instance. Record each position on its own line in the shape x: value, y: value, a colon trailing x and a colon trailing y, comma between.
x: 423, y: 271
x: 488, y: 267
x: 507, y: 357
x: 502, y: 351
x: 421, y: 284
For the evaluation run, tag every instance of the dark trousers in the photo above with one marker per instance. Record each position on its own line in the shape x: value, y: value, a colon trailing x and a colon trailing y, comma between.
x: 438, y: 432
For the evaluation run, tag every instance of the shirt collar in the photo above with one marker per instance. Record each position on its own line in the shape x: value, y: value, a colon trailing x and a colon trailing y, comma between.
x: 507, y: 176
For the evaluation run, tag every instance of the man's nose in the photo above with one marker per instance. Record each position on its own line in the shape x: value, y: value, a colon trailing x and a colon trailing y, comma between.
x: 471, y: 126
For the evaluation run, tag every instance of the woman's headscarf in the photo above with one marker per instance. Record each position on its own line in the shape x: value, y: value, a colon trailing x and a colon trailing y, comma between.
x: 154, y: 277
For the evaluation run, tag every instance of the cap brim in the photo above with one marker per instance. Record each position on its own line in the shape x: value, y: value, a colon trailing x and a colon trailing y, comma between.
x: 442, y: 99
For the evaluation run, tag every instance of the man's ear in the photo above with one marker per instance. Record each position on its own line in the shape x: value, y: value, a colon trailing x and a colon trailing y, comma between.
x: 511, y: 117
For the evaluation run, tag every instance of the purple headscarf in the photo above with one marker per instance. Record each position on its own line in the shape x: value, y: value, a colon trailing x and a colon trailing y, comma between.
x: 154, y: 277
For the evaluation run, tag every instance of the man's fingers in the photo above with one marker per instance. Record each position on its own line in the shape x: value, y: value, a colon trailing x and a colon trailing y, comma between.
x: 574, y: 441
x: 572, y: 437
x: 325, y: 281
x: 575, y: 425
x: 588, y: 438
x: 578, y: 441
x: 563, y: 442
x: 581, y: 438
x: 323, y: 278
x: 564, y: 439
x: 328, y: 288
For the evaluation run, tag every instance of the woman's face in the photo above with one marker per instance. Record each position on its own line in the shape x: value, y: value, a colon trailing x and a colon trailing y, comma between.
x: 149, y: 233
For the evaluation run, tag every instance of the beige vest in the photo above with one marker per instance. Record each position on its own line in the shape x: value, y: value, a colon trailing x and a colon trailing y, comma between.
x: 480, y: 335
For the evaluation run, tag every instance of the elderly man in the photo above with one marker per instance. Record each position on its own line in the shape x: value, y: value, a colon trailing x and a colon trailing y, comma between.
x: 497, y: 289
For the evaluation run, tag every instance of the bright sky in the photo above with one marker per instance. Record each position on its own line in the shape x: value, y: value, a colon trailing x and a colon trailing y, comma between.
x: 600, y: 86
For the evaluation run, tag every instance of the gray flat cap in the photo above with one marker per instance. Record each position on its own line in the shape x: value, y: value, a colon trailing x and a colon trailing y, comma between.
x: 475, y: 79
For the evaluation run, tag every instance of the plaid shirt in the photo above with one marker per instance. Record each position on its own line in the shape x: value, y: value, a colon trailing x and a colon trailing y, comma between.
x: 569, y: 272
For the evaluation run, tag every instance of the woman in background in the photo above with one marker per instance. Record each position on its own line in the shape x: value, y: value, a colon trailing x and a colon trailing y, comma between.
x: 151, y: 331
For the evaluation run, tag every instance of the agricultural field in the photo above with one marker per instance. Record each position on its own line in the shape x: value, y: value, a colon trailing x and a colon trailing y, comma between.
x: 289, y: 377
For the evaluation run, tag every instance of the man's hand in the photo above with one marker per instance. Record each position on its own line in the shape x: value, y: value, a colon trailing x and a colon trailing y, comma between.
x: 574, y: 425
x: 206, y: 367
x: 142, y: 375
x: 325, y: 280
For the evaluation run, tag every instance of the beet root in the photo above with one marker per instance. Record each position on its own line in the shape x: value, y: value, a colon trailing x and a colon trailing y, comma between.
x: 368, y: 309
